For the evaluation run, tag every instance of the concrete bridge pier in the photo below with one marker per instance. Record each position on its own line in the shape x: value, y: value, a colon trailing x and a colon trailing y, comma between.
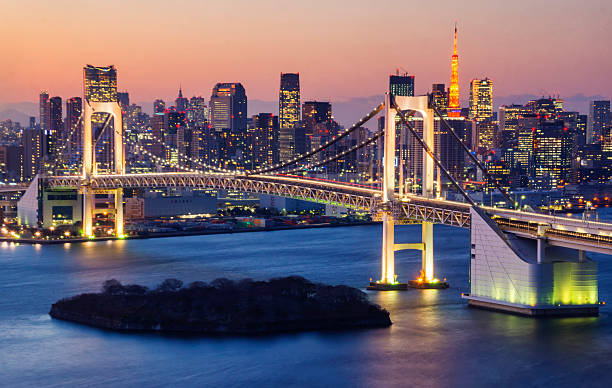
x: 523, y: 275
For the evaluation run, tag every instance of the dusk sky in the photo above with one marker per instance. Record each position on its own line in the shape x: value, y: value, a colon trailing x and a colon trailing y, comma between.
x: 341, y: 49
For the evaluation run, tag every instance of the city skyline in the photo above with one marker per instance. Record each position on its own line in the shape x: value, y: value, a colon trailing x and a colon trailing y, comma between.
x: 336, y: 60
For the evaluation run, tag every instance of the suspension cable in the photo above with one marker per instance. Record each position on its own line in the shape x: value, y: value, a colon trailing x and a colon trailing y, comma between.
x: 429, y: 151
x: 308, y: 154
x: 474, y: 159
x: 60, y: 151
x: 338, y: 156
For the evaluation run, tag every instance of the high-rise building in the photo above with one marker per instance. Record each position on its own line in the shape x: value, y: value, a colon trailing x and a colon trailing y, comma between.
x: 123, y: 98
x: 100, y: 83
x: 228, y: 106
x: 314, y: 112
x: 552, y: 155
x: 289, y: 113
x: 32, y: 146
x: 454, y: 110
x: 401, y: 85
x: 439, y: 97
x: 54, y: 135
x: 264, y: 139
x: 44, y: 111
x: 197, y: 114
x: 159, y: 106
x: 481, y: 100
x: 599, y: 121
x: 73, y: 125
x: 182, y: 103
x: 509, y: 116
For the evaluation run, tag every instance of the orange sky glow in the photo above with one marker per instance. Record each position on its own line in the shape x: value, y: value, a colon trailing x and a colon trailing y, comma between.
x: 342, y: 49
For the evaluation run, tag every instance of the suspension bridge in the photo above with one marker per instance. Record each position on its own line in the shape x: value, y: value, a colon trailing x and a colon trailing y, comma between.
x: 520, y: 261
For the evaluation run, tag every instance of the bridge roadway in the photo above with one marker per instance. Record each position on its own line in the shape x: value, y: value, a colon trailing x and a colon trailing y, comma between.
x: 560, y: 231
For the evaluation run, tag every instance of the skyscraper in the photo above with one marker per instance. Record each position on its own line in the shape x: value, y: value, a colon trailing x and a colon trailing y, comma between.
x: 599, y: 121
x: 439, y: 97
x: 481, y: 100
x: 32, y: 146
x: 228, y: 105
x: 44, y: 111
x: 552, y: 155
x: 100, y: 83
x: 197, y: 114
x: 56, y: 124
x: 159, y: 106
x: 289, y: 113
x: 74, y: 108
x: 123, y: 98
x: 314, y: 112
x: 453, y: 91
x: 181, y: 102
x: 401, y: 85
x: 264, y: 139
x: 509, y: 116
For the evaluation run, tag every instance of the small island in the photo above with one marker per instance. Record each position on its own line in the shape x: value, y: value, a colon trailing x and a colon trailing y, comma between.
x: 224, y: 306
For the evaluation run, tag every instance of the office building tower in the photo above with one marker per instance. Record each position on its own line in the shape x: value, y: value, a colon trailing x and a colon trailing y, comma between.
x: 289, y: 113
x: 73, y: 129
x: 454, y: 109
x: 552, y: 155
x: 123, y: 98
x: 481, y: 100
x: 439, y: 97
x: 228, y: 107
x: 547, y: 108
x: 44, y: 111
x: 182, y: 103
x: 54, y: 134
x: 599, y: 121
x: 509, y: 116
x: 32, y: 120
x: 314, y: 112
x: 197, y: 113
x: 100, y: 83
x: 401, y: 85
x: 264, y: 140
x: 159, y: 106
x: 32, y: 146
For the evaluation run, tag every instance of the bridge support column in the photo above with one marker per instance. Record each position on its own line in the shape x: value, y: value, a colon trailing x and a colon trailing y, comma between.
x: 119, y: 213
x: 88, y: 207
x: 427, y: 263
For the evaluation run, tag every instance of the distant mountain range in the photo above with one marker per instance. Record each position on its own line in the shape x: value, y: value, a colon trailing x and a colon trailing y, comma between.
x: 345, y: 111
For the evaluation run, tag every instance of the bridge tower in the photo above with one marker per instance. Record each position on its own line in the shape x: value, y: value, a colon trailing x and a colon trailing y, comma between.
x: 388, y: 279
x: 100, y: 90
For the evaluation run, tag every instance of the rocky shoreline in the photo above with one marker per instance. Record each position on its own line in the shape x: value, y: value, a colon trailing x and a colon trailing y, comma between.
x: 224, y: 307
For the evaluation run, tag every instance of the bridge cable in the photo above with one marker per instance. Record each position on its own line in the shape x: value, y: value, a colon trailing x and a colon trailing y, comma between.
x: 429, y: 151
x: 308, y: 154
x: 340, y: 155
x: 60, y: 150
x: 474, y: 159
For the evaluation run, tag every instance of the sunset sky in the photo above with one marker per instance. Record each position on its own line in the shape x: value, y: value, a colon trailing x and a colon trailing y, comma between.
x: 342, y: 49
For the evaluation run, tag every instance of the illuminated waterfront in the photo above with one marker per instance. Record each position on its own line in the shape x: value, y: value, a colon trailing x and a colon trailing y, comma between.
x: 435, y: 338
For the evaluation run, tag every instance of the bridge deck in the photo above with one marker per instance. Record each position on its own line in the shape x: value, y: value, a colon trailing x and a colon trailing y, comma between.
x: 563, y: 231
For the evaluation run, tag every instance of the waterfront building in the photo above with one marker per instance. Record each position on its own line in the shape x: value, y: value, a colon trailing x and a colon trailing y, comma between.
x: 289, y: 114
x: 264, y: 140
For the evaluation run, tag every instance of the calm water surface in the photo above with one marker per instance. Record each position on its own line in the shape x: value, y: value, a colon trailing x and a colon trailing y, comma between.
x: 436, y: 340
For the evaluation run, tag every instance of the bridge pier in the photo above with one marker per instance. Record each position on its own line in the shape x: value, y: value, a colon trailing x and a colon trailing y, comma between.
x: 388, y: 279
x: 516, y: 274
